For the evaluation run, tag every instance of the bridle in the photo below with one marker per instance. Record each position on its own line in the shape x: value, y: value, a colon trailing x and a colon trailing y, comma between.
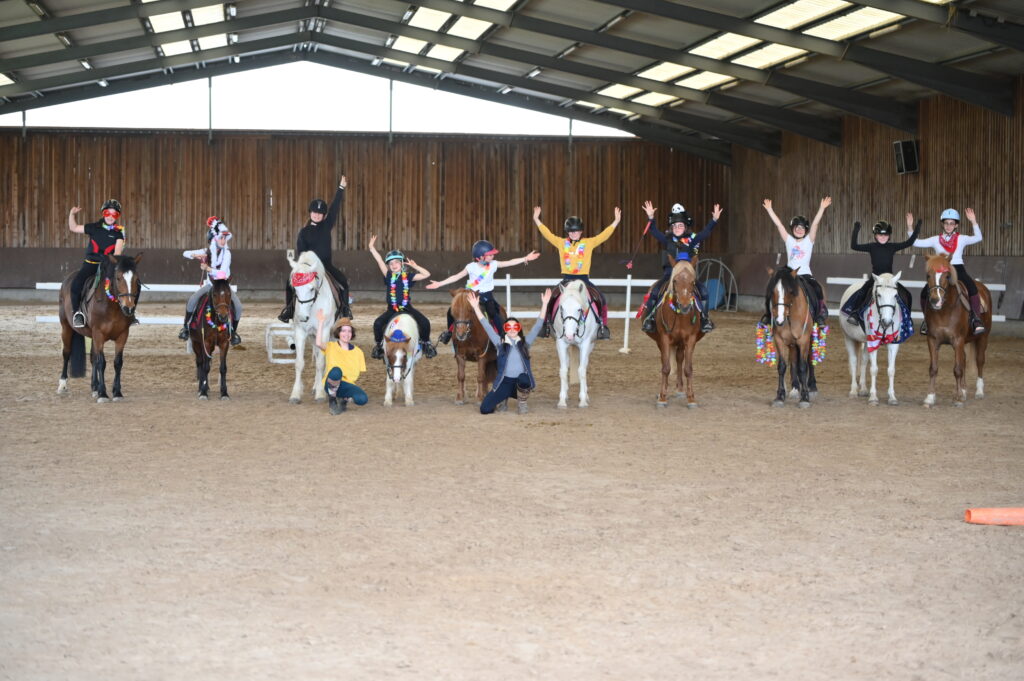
x: 939, y: 288
x: 882, y: 324
x: 405, y: 366
x: 787, y: 319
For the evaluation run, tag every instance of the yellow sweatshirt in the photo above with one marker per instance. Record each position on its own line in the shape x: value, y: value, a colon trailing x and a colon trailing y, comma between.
x: 575, y: 257
x: 351, y: 362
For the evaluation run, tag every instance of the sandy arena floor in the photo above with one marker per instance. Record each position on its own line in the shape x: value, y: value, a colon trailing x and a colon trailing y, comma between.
x: 167, y: 538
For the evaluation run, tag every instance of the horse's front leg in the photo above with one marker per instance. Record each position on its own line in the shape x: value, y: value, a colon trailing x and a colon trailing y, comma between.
x: 224, y: 347
x: 852, y: 351
x: 891, y: 370
x: 980, y: 346
x: 460, y: 374
x: 66, y: 337
x: 780, y: 394
x: 299, y: 338
x: 803, y: 371
x: 118, y: 363
x: 203, y: 369
x: 563, y: 372
x: 584, y: 352
x: 862, y: 390
x: 794, y: 369
x: 99, y: 368
x: 959, y: 366
x: 665, y: 348
x: 933, y: 371
x: 873, y: 393
x: 320, y: 362
x: 407, y: 384
x: 680, y: 358
x: 691, y: 398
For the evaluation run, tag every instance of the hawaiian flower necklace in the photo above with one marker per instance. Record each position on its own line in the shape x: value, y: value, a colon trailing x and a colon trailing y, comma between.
x: 472, y: 285
x: 393, y: 291
x: 568, y: 251
x: 106, y: 289
x: 209, y: 320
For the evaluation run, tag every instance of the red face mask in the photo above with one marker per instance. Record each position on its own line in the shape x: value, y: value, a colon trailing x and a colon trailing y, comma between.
x: 111, y: 213
x: 512, y: 327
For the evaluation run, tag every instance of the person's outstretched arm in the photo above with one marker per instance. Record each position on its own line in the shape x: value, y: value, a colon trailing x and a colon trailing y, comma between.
x: 376, y: 256
x: 775, y: 219
x: 825, y: 203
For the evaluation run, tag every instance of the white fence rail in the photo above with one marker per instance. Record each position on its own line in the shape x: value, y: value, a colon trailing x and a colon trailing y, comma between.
x: 911, y: 284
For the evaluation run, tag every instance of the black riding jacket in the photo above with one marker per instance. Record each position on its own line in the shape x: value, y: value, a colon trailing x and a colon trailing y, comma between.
x: 316, y: 236
x: 881, y: 254
x: 102, y: 240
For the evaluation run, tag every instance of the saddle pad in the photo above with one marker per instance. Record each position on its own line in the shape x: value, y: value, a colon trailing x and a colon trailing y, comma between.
x: 197, y: 316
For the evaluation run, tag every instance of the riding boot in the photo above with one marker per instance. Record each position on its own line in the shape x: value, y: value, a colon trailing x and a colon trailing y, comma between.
x: 378, y: 351
x: 706, y: 325
x: 521, y: 397
x: 445, y: 337
x: 235, y: 338
x: 334, y: 404
x: 287, y: 312
x: 429, y: 351
x: 649, y: 324
x: 924, y: 328
x: 545, y: 331
x: 977, y: 325
x: 183, y: 334
x: 78, y: 319
x: 604, y: 333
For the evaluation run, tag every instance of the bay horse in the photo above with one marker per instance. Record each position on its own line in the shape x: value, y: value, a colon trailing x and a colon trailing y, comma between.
x: 677, y: 330
x: 109, y: 311
x: 471, y: 344
x: 792, y: 328
x: 886, y: 313
x: 211, y: 331
x: 948, y: 323
x: 575, y: 324
x: 401, y: 350
x: 312, y: 292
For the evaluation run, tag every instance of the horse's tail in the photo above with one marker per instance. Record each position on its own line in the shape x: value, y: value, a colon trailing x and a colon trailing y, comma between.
x: 77, y: 355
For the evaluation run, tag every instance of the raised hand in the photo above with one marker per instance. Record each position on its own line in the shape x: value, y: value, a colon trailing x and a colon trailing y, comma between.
x: 531, y: 256
x: 910, y: 222
x: 767, y: 203
x: 826, y: 202
x: 969, y: 212
x: 343, y: 182
x: 320, y: 315
x: 545, y: 297
x: 76, y: 210
x: 716, y: 212
x: 649, y: 209
x: 373, y: 241
x: 536, y: 213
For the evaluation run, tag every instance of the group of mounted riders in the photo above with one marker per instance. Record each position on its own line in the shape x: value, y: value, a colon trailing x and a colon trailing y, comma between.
x: 400, y: 274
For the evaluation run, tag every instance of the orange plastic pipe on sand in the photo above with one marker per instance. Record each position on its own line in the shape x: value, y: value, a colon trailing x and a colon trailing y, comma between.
x: 995, y: 516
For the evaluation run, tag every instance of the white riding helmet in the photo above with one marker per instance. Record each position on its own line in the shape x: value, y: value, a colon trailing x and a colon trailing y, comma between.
x: 949, y: 214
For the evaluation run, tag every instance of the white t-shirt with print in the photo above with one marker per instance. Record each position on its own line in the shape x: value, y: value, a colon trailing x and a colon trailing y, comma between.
x: 481, y: 276
x: 798, y: 254
x: 962, y: 240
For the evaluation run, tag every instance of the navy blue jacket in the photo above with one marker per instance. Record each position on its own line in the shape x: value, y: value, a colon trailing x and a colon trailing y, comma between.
x: 680, y: 248
x: 505, y: 348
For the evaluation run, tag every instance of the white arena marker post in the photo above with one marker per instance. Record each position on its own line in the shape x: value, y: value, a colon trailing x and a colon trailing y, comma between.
x: 625, y: 331
x: 508, y: 294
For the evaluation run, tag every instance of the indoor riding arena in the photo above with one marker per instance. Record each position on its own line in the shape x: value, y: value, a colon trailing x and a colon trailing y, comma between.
x: 734, y: 535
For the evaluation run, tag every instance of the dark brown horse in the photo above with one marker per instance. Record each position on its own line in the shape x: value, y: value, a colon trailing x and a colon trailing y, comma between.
x: 792, y: 329
x: 109, y: 310
x: 677, y: 330
x: 471, y: 344
x: 946, y: 315
x: 211, y: 331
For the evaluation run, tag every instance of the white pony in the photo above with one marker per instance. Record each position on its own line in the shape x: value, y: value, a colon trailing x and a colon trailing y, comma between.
x: 575, y: 324
x: 312, y: 292
x: 887, y: 318
x: 400, y: 335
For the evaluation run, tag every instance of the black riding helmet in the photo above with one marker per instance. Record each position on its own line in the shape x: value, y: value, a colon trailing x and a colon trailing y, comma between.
x: 111, y: 203
x: 482, y: 248
x: 318, y: 206
x: 678, y: 215
x: 799, y: 220
x: 573, y: 224
x: 882, y: 227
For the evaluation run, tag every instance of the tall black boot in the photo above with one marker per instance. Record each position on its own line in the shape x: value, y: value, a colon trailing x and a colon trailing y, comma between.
x: 183, y: 334
x: 287, y: 312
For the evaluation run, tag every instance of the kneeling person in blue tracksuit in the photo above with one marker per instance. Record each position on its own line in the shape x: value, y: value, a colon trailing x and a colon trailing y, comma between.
x: 514, y: 376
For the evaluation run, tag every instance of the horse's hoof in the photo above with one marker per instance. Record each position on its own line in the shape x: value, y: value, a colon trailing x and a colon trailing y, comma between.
x: 804, y: 405
x: 203, y: 397
x: 562, y: 405
x: 862, y: 393
x: 101, y: 400
x: 584, y: 405
x: 119, y: 398
x: 95, y: 394
x: 459, y: 403
x: 224, y: 398
x: 661, y: 404
x: 893, y: 402
x: 979, y: 396
x: 691, y: 405
x: 958, y: 404
x: 778, y: 403
x: 873, y: 403
x: 294, y: 400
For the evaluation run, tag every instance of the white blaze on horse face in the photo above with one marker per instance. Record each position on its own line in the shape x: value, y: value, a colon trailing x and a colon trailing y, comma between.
x: 128, y: 282
x: 780, y: 305
x: 397, y: 366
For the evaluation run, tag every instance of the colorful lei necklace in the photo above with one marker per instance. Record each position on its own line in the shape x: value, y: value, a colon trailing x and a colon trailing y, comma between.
x: 393, y: 292
x: 209, y: 320
x: 472, y: 285
x: 106, y: 289
x: 568, y: 249
x: 764, y: 347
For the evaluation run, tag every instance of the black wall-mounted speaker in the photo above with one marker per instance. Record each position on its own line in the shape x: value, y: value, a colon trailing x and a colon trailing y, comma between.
x: 906, y: 156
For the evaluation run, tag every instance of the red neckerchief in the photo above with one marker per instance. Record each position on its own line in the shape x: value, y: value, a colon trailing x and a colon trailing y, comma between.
x: 949, y: 242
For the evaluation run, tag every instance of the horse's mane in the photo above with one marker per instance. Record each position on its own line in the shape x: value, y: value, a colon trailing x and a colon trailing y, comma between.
x: 576, y: 289
x: 938, y: 260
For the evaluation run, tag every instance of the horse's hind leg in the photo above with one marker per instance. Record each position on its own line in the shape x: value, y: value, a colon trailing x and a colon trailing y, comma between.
x: 803, y: 372
x: 203, y: 369
x: 812, y: 382
x: 691, y: 398
x: 980, y: 346
x: 224, y: 347
x: 66, y: 336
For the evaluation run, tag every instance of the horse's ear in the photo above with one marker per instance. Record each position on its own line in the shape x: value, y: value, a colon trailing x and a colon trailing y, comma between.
x: 454, y: 292
x: 138, y: 257
x: 875, y: 277
x: 947, y: 256
x: 769, y: 270
x: 897, y: 277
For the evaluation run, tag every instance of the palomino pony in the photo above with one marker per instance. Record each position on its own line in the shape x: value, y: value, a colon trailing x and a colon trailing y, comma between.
x: 471, y: 344
x: 575, y: 325
x: 109, y: 310
x: 948, y: 323
x: 885, y: 317
x: 210, y: 331
x: 792, y: 328
x: 312, y: 293
x: 677, y: 330
x: 401, y: 350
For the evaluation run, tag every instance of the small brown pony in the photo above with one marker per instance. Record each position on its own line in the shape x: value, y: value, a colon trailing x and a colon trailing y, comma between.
x: 792, y: 329
x: 946, y: 315
x: 471, y: 344
x: 677, y: 328
x: 210, y: 331
x: 109, y: 310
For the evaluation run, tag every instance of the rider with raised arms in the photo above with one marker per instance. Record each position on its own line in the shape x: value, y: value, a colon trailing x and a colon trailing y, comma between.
x: 882, y: 252
x: 575, y: 256
x: 397, y: 284
x: 106, y: 237
x: 316, y: 236
x: 215, y: 261
x: 799, y: 248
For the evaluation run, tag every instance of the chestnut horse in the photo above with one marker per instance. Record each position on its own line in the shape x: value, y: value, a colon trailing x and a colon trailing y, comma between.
x: 792, y: 328
x: 948, y: 323
x: 109, y: 311
x: 471, y: 344
x: 677, y: 329
x: 210, y: 331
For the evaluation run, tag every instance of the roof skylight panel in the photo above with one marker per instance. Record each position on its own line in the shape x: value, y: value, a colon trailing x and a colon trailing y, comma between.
x: 429, y: 19
x: 653, y: 99
x: 444, y: 52
x: 179, y: 47
x: 408, y: 44
x: 769, y: 55
x: 619, y: 91
x: 211, y: 41
x: 724, y: 45
x: 166, y: 22
x: 704, y: 80
x: 801, y: 12
x: 4, y: 80
x: 500, y: 5
x: 665, y: 71
x: 210, y: 14
x: 469, y: 28
x: 854, y: 23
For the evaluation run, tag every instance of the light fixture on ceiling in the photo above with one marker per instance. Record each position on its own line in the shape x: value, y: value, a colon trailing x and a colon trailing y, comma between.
x: 230, y: 9
x: 102, y: 82
x: 534, y: 73
x: 85, y: 64
x: 505, y: 89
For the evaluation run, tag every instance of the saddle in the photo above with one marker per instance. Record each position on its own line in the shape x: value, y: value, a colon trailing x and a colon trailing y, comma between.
x: 965, y: 301
x: 88, y: 290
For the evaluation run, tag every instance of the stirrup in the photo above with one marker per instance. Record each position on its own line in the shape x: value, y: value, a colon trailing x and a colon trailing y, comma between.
x: 429, y: 350
x: 924, y: 328
x: 706, y: 325
x: 649, y: 324
x: 78, y: 319
x: 604, y: 333
x: 235, y: 338
x: 445, y: 336
x: 183, y: 334
x: 286, y: 314
x: 977, y: 325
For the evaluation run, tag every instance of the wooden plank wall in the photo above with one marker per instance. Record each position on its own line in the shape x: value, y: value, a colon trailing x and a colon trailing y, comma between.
x: 421, y: 193
x: 969, y: 157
